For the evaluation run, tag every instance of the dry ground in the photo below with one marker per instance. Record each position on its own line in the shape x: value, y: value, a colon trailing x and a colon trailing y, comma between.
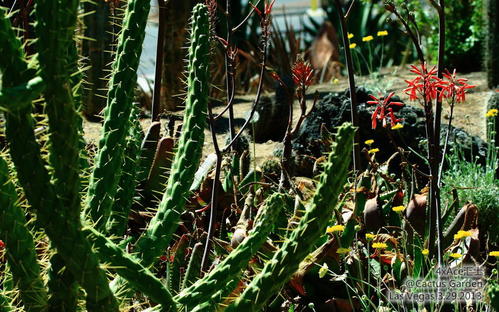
x: 470, y: 115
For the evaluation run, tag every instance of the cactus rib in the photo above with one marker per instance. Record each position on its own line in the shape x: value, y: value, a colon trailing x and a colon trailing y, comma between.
x: 312, y: 225
x: 230, y: 268
x: 10, y: 98
x: 107, y: 172
x: 21, y: 253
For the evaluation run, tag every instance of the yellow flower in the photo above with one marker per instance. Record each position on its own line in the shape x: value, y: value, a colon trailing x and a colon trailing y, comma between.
x: 494, y: 254
x: 398, y: 208
x: 461, y: 234
x: 353, y: 45
x: 343, y: 250
x: 492, y: 113
x: 368, y: 142
x: 323, y: 270
x: 425, y: 252
x: 382, y: 33
x: 456, y: 255
x: 350, y: 36
x: 370, y: 236
x: 397, y: 126
x: 367, y: 38
x: 373, y: 150
x: 379, y: 245
x: 336, y: 80
x: 335, y: 228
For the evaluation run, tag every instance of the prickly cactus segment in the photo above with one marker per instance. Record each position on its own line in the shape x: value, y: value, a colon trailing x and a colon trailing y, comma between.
x: 21, y: 253
x: 124, y: 198
x: 34, y: 178
x: 129, y: 268
x: 312, y: 225
x: 186, y: 161
x: 230, y: 268
x: 108, y: 163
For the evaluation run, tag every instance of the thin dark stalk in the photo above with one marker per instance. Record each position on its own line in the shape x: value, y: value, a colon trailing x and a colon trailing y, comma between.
x: 351, y: 83
x: 229, y: 71
x: 156, y: 96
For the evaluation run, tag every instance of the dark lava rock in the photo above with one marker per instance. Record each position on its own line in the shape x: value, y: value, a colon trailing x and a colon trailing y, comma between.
x: 334, y: 109
x: 270, y: 120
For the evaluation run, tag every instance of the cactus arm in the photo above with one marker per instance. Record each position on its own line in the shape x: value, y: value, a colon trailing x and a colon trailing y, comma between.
x: 187, y: 157
x: 312, y: 225
x: 124, y: 197
x: 21, y: 253
x: 129, y: 268
x: 23, y: 94
x: 63, y: 288
x: 106, y: 174
x: 34, y: 178
x: 230, y: 268
x: 5, y: 305
x: 194, y: 267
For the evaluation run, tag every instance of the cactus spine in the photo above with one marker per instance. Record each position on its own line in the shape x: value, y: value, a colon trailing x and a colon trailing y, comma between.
x: 21, y: 253
x: 187, y: 157
x: 229, y: 269
x: 107, y: 172
x: 312, y: 225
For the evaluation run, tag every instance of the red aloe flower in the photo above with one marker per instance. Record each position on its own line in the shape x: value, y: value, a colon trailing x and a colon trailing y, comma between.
x: 2, y: 244
x: 454, y: 88
x: 302, y: 74
x: 425, y: 86
x: 384, y: 110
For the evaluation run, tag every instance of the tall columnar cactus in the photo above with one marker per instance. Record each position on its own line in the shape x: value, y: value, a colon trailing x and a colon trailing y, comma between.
x: 35, y: 180
x: 21, y: 253
x: 107, y: 172
x: 492, y: 43
x: 190, y: 145
x: 214, y: 285
x: 313, y: 224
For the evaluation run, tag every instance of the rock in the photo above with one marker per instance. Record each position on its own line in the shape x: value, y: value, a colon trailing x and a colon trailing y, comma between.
x: 271, y: 117
x: 334, y: 109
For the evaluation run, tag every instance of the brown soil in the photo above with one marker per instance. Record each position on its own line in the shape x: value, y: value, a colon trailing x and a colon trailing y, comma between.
x: 469, y: 115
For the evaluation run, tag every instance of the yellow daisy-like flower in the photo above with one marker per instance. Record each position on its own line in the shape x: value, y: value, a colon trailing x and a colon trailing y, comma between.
x: 335, y: 228
x: 350, y: 36
x: 494, y: 254
x: 397, y: 126
x: 379, y: 245
x: 373, y: 150
x: 323, y: 270
x: 336, y: 81
x: 398, y: 208
x: 368, y: 142
x: 352, y: 45
x: 425, y: 252
x: 367, y: 38
x: 370, y: 236
x: 456, y: 255
x: 382, y: 33
x: 343, y: 250
x: 492, y: 112
x: 461, y: 234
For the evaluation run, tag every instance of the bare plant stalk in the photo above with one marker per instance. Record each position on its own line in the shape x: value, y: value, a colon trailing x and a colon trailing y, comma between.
x: 158, y: 75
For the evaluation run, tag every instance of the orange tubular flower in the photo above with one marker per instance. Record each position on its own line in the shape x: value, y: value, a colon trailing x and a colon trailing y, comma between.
x: 425, y: 86
x: 384, y: 110
x: 454, y: 87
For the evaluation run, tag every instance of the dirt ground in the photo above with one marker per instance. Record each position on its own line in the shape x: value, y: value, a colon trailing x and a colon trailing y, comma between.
x: 469, y: 115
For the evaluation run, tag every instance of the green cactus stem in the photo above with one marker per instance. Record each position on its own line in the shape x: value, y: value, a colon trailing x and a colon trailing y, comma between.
x: 313, y: 224
x: 11, y: 98
x: 21, y: 253
x: 187, y: 158
x: 230, y: 268
x: 34, y: 178
x: 5, y: 305
x: 129, y: 268
x: 124, y: 198
x: 194, y: 267
x: 106, y: 175
x: 63, y: 288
